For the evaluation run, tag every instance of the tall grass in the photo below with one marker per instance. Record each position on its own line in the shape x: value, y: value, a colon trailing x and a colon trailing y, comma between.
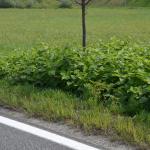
x: 55, y: 105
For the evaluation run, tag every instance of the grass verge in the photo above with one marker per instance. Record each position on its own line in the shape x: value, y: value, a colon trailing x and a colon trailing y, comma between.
x: 55, y: 105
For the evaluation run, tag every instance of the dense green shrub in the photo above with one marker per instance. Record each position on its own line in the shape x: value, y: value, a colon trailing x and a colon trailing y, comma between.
x: 17, y: 3
x: 5, y: 4
x: 2, y: 69
x: 65, y: 4
x: 35, y: 3
x: 142, y: 3
x: 117, y: 72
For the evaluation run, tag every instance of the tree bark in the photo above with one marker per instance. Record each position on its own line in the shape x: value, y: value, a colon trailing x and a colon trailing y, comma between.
x: 83, y: 4
x: 83, y: 24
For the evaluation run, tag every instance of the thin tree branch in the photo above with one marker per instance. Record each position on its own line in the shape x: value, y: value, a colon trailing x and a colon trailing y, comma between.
x: 81, y: 2
x: 87, y: 2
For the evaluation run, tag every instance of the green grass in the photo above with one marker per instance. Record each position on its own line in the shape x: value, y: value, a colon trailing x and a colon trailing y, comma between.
x: 135, y: 3
x: 23, y: 28
x: 55, y: 105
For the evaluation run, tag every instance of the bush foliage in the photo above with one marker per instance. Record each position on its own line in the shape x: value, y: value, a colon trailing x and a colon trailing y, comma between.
x: 35, y: 3
x: 17, y: 3
x: 117, y: 72
x: 65, y: 4
x: 68, y: 4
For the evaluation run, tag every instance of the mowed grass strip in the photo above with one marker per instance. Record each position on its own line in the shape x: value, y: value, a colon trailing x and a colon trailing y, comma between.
x: 23, y: 28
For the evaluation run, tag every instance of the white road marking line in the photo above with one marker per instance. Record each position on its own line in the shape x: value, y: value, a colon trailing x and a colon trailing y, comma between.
x: 46, y: 135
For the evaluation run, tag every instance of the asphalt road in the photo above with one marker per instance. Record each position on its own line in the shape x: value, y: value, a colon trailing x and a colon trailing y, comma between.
x: 15, y: 135
x: 13, y: 139
x: 18, y: 132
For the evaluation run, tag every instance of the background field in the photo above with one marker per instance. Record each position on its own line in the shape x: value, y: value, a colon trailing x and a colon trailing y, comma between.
x: 23, y: 28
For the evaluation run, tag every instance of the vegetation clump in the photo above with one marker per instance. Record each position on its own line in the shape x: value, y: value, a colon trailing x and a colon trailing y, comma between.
x: 17, y: 3
x: 65, y: 4
x: 105, y: 88
x: 116, y: 72
x: 68, y: 4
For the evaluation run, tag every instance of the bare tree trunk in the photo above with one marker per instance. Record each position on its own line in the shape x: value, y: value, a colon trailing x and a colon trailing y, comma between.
x: 83, y: 24
x: 83, y: 4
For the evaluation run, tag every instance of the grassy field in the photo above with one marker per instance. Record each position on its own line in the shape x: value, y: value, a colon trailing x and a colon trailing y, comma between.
x: 23, y: 28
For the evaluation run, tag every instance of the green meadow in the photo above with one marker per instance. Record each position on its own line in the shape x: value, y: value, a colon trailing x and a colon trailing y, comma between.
x: 25, y: 28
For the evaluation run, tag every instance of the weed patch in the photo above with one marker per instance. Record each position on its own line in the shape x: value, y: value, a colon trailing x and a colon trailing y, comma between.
x: 116, y: 73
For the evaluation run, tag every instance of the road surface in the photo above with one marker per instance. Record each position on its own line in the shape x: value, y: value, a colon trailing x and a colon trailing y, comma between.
x: 29, y: 135
x: 12, y: 139
x: 15, y: 135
